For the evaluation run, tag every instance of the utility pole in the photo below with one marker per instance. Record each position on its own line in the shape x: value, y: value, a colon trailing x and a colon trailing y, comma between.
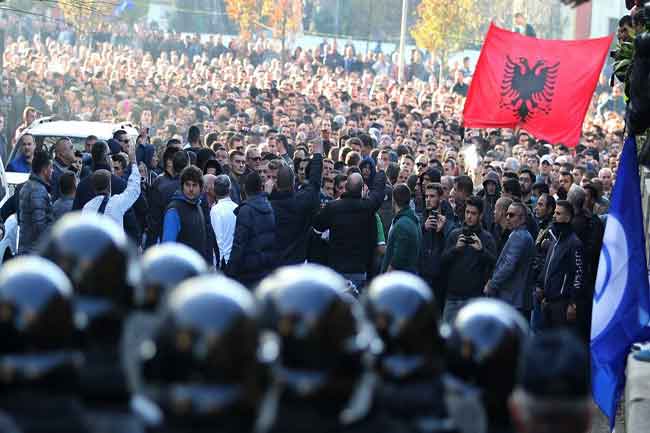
x: 337, y: 22
x: 402, y: 40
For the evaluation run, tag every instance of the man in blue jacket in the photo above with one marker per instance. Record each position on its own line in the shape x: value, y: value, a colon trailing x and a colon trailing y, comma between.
x: 253, y: 250
x: 512, y: 278
x: 22, y: 162
x: 162, y: 190
x: 184, y: 221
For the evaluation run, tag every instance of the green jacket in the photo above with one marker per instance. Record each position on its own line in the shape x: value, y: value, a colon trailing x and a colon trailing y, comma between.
x: 404, y: 243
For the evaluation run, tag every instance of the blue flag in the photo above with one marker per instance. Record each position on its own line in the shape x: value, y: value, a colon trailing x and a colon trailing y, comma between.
x: 622, y: 294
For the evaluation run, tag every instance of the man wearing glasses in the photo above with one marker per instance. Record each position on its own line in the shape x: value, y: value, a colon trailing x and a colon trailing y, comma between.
x: 510, y: 280
x: 119, y: 142
x: 253, y: 158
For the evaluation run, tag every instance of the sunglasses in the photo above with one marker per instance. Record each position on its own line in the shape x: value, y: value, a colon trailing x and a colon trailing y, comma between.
x: 124, y: 141
x: 257, y: 158
x: 512, y: 215
x: 421, y: 164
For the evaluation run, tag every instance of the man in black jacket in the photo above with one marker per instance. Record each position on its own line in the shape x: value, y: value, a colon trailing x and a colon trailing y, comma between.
x: 544, y: 210
x: 435, y: 230
x: 468, y: 260
x: 490, y: 194
x: 253, y: 249
x: 86, y: 192
x: 352, y: 225
x: 294, y: 210
x: 560, y: 284
x: 590, y: 230
x: 162, y: 190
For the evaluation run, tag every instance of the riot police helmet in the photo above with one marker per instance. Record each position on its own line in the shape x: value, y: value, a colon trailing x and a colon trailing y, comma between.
x: 404, y: 313
x: 39, y: 345
x: 484, y: 346
x: 102, y: 265
x: 165, y: 266
x: 201, y: 365
x: 326, y: 344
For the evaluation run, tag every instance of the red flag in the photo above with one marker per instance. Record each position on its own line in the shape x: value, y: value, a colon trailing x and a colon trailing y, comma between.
x: 543, y: 86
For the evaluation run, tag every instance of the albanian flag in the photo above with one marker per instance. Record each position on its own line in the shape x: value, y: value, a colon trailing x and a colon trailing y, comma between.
x: 542, y: 86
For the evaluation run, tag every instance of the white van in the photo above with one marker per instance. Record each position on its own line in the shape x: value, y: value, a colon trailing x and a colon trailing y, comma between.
x: 9, y: 240
x: 46, y: 131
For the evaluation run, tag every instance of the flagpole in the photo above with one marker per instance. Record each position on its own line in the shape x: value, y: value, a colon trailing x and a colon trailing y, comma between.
x: 402, y: 40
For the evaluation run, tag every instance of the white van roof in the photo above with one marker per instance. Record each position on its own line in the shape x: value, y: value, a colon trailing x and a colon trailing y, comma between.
x: 47, y: 127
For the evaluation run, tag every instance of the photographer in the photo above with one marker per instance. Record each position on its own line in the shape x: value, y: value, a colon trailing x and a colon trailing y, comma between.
x: 435, y: 230
x: 468, y: 259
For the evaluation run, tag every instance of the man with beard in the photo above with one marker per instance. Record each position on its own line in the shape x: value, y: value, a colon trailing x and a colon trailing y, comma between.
x: 544, y: 210
x: 560, y: 282
x: 566, y: 180
x: 526, y: 180
x: 468, y: 259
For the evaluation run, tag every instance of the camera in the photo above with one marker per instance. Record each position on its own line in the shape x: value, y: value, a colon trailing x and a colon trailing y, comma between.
x: 467, y: 235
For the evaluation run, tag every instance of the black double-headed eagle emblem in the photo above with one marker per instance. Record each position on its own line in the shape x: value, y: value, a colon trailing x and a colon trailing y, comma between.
x: 528, y: 90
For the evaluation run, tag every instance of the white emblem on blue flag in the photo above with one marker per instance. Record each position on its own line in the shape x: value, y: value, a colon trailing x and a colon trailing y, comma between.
x: 621, y: 294
x: 612, y: 275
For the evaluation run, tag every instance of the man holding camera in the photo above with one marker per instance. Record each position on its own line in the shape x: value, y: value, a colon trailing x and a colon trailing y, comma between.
x: 468, y: 259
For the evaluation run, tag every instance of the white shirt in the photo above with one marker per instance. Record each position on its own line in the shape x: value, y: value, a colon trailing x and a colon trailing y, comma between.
x: 223, y: 219
x: 118, y: 204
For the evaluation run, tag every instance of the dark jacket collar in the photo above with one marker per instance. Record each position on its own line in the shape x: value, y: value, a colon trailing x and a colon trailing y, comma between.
x: 178, y: 195
x: 280, y: 195
x: 348, y: 194
x: 37, y: 178
x: 406, y: 212
x: 101, y: 166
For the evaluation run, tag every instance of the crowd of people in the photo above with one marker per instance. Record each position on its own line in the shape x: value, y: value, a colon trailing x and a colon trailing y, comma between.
x: 257, y: 165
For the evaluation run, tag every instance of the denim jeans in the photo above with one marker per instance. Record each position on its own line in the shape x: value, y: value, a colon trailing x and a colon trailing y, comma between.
x: 452, y: 307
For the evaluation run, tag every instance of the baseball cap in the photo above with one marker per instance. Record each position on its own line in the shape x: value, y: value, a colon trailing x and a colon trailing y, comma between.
x: 546, y: 159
